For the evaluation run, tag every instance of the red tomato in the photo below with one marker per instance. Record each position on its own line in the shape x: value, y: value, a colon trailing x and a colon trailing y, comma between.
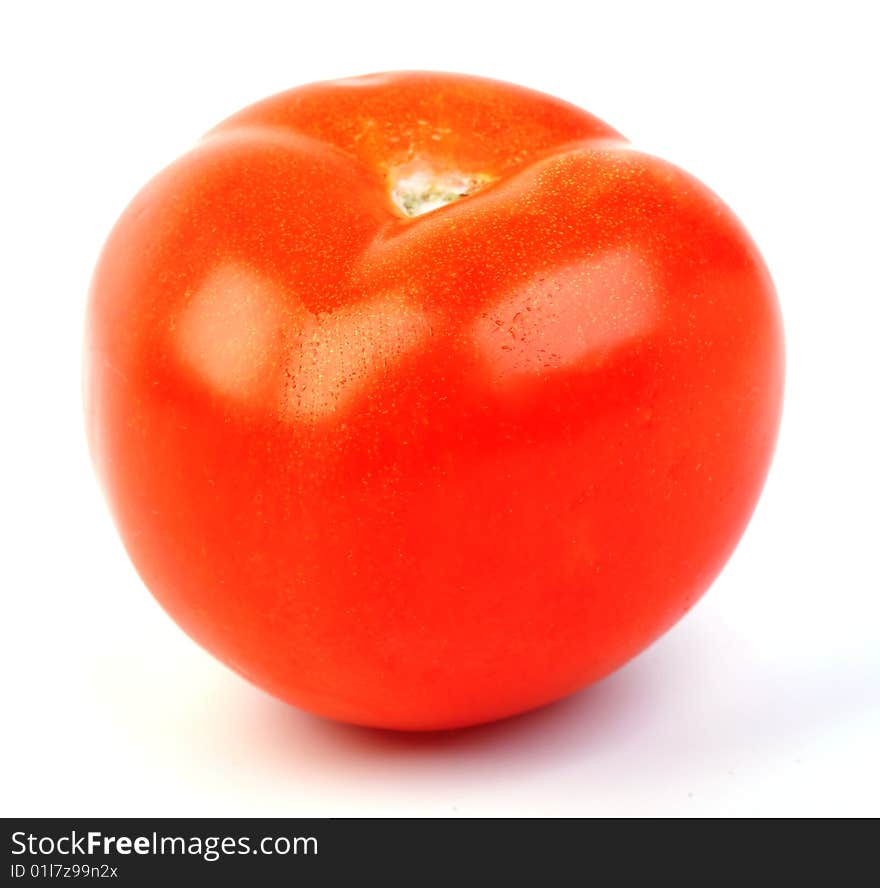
x: 421, y: 400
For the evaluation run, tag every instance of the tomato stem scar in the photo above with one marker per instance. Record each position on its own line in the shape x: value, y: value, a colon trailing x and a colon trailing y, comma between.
x: 417, y: 189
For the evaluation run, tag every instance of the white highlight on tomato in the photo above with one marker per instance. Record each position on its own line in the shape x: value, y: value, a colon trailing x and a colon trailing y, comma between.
x: 339, y: 354
x: 569, y: 315
x: 228, y: 330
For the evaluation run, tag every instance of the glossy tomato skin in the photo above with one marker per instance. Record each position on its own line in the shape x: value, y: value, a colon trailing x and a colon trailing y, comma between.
x: 424, y: 472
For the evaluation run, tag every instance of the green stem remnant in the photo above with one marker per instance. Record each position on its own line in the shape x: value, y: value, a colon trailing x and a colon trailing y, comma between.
x: 416, y: 192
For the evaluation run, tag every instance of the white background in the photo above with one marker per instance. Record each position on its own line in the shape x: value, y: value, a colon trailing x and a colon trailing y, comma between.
x: 765, y: 700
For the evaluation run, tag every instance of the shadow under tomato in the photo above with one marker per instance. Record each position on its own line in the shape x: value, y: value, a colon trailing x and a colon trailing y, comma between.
x: 608, y: 715
x: 669, y: 714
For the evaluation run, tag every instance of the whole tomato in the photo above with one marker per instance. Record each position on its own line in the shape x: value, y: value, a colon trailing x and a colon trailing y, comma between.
x: 421, y: 399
